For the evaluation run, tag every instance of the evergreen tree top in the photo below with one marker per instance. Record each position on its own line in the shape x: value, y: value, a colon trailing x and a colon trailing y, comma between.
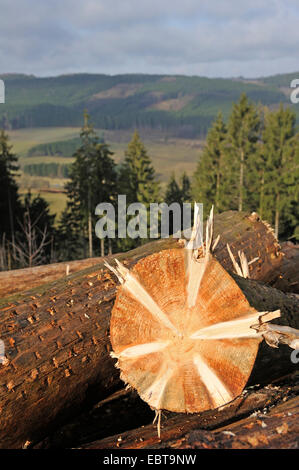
x: 88, y: 135
x: 7, y: 157
x: 138, y: 177
x: 244, y: 124
x: 173, y: 192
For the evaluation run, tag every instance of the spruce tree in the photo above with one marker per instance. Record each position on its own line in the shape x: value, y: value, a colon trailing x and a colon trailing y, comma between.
x: 10, y: 205
x: 92, y: 181
x: 178, y: 193
x: 281, y: 158
x: 242, y: 138
x: 138, y: 181
x: 138, y: 174
x: 185, y: 188
x: 173, y: 192
x: 210, y: 177
x: 289, y: 217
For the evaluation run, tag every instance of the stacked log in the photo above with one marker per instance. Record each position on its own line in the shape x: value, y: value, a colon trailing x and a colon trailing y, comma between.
x: 57, y: 346
x: 18, y: 280
x: 259, y: 418
x: 287, y: 276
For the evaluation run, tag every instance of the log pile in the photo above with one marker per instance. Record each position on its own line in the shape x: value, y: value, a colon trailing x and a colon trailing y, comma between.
x: 259, y: 418
x: 19, y: 280
x: 57, y: 336
x: 287, y: 277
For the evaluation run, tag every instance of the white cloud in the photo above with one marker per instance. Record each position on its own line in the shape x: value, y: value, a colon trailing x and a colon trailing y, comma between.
x: 214, y: 38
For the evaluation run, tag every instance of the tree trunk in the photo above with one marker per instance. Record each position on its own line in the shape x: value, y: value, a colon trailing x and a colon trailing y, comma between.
x: 240, y: 424
x: 241, y: 182
x: 19, y: 280
x: 276, y: 226
x: 287, y: 278
x: 254, y: 237
x: 57, y: 337
x: 11, y: 221
x: 102, y: 247
x: 57, y: 351
x: 271, y: 363
x: 277, y: 430
x: 217, y: 187
x: 262, y: 190
x: 90, y: 235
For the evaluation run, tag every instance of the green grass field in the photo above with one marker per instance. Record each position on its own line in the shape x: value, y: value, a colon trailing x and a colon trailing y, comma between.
x: 168, y: 155
x: 56, y: 201
x: 44, y: 159
x: 24, y: 139
x: 177, y: 155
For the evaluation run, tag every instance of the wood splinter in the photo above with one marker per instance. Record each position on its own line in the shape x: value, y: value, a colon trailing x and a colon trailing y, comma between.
x: 183, y: 331
x: 272, y: 334
x: 277, y: 334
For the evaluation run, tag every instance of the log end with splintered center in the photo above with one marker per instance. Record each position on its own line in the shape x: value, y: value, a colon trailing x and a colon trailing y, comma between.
x: 180, y: 349
x: 179, y: 354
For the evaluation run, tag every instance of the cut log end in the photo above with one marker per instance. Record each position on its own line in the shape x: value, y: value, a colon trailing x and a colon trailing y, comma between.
x: 179, y: 355
x: 60, y: 330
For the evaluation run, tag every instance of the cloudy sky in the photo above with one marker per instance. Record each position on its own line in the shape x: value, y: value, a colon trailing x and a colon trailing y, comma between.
x: 193, y: 37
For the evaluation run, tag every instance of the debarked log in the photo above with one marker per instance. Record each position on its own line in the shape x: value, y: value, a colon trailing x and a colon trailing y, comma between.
x: 57, y: 338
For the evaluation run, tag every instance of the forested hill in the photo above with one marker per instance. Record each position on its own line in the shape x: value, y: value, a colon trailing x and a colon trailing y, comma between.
x: 183, y: 106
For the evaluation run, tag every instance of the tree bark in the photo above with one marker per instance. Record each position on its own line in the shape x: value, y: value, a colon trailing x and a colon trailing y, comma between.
x: 90, y: 235
x: 271, y: 363
x: 276, y: 227
x: 252, y: 236
x: 287, y: 277
x: 102, y: 247
x: 57, y: 337
x: 276, y: 430
x: 243, y: 426
x: 57, y: 351
x: 19, y: 280
x: 241, y: 181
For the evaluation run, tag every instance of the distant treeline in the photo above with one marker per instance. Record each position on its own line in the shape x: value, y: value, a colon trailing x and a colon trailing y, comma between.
x: 117, y: 116
x: 65, y: 148
x: 52, y: 170
x: 177, y: 105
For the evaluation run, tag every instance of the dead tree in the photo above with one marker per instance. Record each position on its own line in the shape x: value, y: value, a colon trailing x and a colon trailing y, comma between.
x: 29, y: 247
